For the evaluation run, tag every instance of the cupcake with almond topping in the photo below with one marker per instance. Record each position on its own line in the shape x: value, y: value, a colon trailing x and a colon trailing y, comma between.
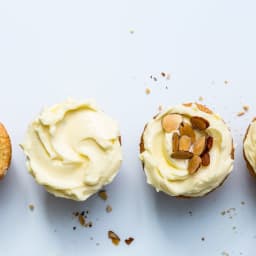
x: 249, y: 147
x: 186, y: 151
x: 73, y: 149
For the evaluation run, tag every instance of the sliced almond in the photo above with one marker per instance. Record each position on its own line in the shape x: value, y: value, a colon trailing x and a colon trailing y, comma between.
x: 182, y: 155
x: 199, y: 146
x: 199, y: 123
x: 175, y: 142
x: 114, y: 237
x: 194, y: 164
x: 186, y: 129
x: 205, y: 159
x: 171, y: 122
x: 209, y: 143
x: 184, y: 143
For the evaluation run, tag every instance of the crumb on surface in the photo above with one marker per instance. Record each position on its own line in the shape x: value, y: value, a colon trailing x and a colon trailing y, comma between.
x: 108, y: 208
x: 114, y: 237
x: 190, y: 213
x: 131, y: 31
x: 160, y: 108
x: 74, y: 228
x: 225, y: 81
x: 246, y: 108
x: 225, y: 254
x: 203, y: 239
x: 103, y: 195
x: 31, y: 207
x: 129, y: 240
x: 147, y: 91
x: 200, y: 98
x: 241, y: 113
x: 242, y: 203
x: 97, y: 244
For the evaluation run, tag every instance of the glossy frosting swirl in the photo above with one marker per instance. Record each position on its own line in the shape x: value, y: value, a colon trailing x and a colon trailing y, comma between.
x: 171, y: 175
x: 73, y: 149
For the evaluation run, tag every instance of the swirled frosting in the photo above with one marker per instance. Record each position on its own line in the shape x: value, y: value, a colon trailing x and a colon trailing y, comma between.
x: 73, y: 149
x: 250, y: 145
x: 171, y: 175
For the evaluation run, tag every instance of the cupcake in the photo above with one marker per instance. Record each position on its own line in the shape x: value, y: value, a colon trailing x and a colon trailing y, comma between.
x: 73, y: 149
x: 5, y: 151
x: 250, y: 147
x: 186, y: 151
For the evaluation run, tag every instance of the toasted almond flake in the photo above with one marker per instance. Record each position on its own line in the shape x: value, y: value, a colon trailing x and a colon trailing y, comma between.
x: 199, y: 146
x: 205, y: 159
x: 171, y: 122
x: 103, y: 195
x: 203, y: 108
x: 114, y: 237
x: 194, y: 164
x: 186, y: 129
x: 246, y: 108
x: 182, y: 155
x: 241, y: 113
x: 147, y: 91
x: 129, y: 240
x: 175, y: 142
x: 81, y: 220
x: 184, y: 143
x: 209, y: 143
x: 108, y: 209
x: 189, y: 104
x: 199, y: 123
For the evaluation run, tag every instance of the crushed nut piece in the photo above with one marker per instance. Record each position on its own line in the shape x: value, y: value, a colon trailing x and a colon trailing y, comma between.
x: 129, y: 240
x: 103, y: 195
x: 241, y: 113
x: 31, y: 207
x: 108, y: 208
x: 114, y: 237
x: 148, y: 91
x: 246, y: 108
x: 81, y: 219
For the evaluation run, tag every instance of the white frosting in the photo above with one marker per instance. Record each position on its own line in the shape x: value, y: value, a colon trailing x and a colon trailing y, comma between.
x: 73, y: 149
x: 250, y: 146
x: 171, y: 175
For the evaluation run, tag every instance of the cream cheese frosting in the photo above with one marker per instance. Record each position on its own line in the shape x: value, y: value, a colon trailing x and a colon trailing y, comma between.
x: 73, y: 149
x: 171, y: 175
x: 250, y: 145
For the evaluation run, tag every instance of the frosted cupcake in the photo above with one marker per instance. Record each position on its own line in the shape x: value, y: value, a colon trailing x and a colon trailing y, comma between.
x: 73, y: 149
x: 250, y: 147
x: 186, y: 151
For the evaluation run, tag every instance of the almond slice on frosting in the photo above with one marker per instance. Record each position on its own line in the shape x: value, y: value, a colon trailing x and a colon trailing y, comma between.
x: 199, y: 123
x: 171, y: 122
x: 184, y: 143
x: 205, y: 159
x: 199, y: 146
x: 194, y: 164
x: 175, y: 142
x: 186, y: 129
x: 182, y: 155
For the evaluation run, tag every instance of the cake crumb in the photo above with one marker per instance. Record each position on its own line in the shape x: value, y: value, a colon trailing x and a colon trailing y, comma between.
x: 131, y: 31
x: 234, y: 227
x: 91, y: 238
x: 225, y: 254
x: 241, y: 113
x: 103, y: 195
x: 114, y: 237
x: 160, y: 108
x: 246, y: 108
x: 203, y: 239
x: 74, y: 228
x: 163, y: 74
x: 200, y: 98
x: 147, y: 91
x: 108, y: 208
x: 81, y: 220
x: 225, y: 81
x: 190, y: 213
x: 242, y: 203
x: 31, y: 207
x: 97, y: 244
x: 129, y: 240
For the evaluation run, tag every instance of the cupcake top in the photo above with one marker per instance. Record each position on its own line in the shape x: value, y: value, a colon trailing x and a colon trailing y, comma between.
x: 187, y: 150
x: 73, y: 149
x: 250, y: 145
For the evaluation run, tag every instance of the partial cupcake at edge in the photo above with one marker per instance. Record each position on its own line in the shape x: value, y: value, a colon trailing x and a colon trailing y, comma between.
x: 186, y: 151
x: 249, y: 147
x: 73, y: 149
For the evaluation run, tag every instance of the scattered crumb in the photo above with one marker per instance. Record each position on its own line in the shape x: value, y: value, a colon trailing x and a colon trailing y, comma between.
x: 97, y: 244
x: 103, y: 195
x: 231, y: 212
x: 168, y: 76
x: 242, y: 203
x: 190, y: 213
x: 148, y: 91
x: 131, y: 31
x: 114, y: 237
x: 31, y: 207
x: 74, y: 228
x: 241, y: 113
x: 203, y: 239
x: 108, y: 209
x: 200, y: 98
x: 226, y: 82
x: 91, y: 238
x: 163, y: 74
x: 234, y: 227
x: 81, y: 219
x: 223, y: 213
x: 129, y: 240
x: 225, y: 254
x: 160, y: 108
x: 246, y: 108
